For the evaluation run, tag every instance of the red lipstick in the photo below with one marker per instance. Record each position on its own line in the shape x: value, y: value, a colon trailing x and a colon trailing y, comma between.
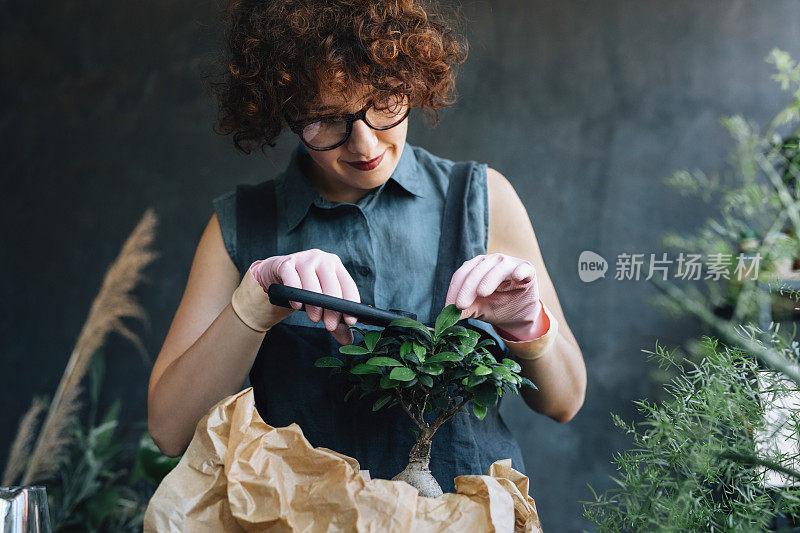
x: 367, y: 165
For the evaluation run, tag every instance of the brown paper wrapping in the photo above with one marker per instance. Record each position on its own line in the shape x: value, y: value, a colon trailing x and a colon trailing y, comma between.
x: 240, y: 474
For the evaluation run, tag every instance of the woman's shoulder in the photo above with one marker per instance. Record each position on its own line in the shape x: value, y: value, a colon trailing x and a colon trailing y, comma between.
x: 431, y: 161
x: 440, y: 167
x: 476, y: 196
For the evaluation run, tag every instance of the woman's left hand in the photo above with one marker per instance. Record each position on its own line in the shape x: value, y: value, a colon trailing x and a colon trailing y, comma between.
x: 499, y: 289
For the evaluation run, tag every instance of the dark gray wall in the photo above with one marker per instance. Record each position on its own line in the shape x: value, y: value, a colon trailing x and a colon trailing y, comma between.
x: 583, y: 105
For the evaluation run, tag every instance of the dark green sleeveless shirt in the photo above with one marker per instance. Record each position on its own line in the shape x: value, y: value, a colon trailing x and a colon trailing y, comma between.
x: 401, y: 243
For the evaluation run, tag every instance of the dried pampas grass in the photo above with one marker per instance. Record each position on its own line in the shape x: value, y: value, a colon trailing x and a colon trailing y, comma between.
x: 19, y: 448
x: 113, y: 303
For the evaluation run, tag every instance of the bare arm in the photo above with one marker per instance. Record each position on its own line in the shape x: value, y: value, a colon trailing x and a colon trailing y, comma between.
x: 560, y: 374
x: 207, y: 352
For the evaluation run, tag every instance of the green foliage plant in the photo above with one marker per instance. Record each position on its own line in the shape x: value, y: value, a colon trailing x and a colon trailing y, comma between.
x: 427, y: 373
x: 97, y: 478
x: 707, y: 457
x: 106, y: 479
x: 698, y: 462
x: 756, y: 198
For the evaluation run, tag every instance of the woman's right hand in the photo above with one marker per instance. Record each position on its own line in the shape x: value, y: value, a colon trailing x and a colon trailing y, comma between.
x: 313, y: 270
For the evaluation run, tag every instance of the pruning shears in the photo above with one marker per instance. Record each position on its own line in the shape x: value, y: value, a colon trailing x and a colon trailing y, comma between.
x: 281, y: 295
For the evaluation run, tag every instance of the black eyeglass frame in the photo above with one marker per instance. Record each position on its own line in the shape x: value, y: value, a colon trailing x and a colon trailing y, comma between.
x: 299, y: 125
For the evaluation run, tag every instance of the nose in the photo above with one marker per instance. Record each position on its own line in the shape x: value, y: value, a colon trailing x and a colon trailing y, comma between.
x: 362, y: 141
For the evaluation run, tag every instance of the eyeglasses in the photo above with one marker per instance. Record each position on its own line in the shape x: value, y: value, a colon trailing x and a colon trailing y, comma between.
x: 331, y: 131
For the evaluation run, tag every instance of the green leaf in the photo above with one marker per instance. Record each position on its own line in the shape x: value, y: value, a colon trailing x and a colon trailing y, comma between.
x: 486, y: 395
x: 402, y: 373
x: 501, y: 372
x: 448, y: 317
x: 380, y: 402
x: 364, y: 368
x: 484, y: 343
x: 426, y: 380
x: 384, y: 342
x: 475, y: 380
x: 468, y: 343
x: 445, y: 356
x: 512, y: 365
x: 151, y: 462
x: 419, y: 351
x: 460, y: 373
x: 405, y: 348
x: 113, y: 412
x: 384, y: 361
x: 329, y: 362
x: 353, y: 349
x: 411, y: 383
x: 369, y: 382
x: 371, y: 339
x: 350, y: 392
x: 479, y: 410
x: 406, y: 322
x: 458, y: 331
x: 433, y: 369
x: 528, y: 383
x: 482, y: 370
x: 388, y: 383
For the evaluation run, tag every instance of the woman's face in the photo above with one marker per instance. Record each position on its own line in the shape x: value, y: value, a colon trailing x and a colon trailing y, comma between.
x: 332, y: 173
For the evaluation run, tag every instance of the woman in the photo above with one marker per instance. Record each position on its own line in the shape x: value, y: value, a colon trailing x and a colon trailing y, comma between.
x: 360, y: 214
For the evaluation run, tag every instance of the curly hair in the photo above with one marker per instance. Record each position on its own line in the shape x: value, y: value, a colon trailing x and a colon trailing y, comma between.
x: 284, y: 53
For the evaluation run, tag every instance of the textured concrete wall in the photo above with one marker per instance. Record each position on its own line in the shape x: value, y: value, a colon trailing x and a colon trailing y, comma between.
x: 583, y: 105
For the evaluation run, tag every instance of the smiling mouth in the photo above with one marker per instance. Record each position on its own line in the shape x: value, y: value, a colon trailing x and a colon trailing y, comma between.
x: 370, y: 164
x: 364, y: 162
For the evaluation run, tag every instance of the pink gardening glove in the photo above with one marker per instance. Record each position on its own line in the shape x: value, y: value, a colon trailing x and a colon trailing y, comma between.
x: 317, y: 271
x: 502, y: 290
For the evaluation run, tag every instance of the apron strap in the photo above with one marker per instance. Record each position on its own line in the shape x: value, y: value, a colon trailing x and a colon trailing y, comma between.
x: 256, y: 222
x: 454, y: 241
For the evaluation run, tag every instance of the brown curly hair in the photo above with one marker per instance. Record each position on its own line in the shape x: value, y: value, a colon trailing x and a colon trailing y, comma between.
x: 284, y: 53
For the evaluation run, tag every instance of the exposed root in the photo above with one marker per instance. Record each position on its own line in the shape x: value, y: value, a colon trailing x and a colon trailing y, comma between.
x: 417, y: 473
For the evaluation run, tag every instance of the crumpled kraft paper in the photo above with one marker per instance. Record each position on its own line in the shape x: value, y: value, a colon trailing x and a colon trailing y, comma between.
x: 241, y: 474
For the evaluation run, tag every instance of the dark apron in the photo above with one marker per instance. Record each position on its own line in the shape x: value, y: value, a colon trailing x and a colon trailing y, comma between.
x: 289, y: 388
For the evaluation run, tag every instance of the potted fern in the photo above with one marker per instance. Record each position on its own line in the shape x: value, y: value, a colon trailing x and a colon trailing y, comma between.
x: 426, y: 372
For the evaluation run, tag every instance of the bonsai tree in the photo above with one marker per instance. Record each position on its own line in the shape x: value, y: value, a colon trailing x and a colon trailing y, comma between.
x: 427, y: 373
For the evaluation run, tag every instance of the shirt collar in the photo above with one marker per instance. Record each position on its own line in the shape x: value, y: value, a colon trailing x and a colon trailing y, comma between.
x: 296, y: 193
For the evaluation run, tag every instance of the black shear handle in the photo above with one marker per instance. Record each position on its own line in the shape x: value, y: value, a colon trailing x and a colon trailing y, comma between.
x: 281, y: 295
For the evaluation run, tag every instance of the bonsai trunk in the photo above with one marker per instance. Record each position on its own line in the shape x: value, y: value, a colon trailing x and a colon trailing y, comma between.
x: 417, y: 473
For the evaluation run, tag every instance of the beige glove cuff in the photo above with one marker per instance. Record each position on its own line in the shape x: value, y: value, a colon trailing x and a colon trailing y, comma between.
x: 536, y: 348
x: 250, y: 303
